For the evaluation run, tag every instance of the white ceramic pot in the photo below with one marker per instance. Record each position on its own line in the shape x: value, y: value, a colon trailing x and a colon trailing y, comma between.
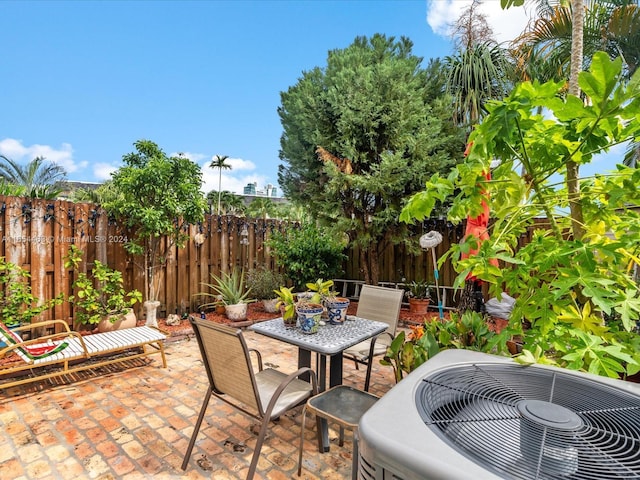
x: 236, y: 312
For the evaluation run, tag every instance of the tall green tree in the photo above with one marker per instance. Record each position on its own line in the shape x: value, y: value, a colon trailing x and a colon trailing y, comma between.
x: 39, y: 178
x: 360, y: 135
x: 219, y: 162
x: 155, y: 197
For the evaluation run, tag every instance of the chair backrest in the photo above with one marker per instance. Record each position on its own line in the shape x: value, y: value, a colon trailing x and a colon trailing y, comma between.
x: 226, y: 359
x: 381, y: 304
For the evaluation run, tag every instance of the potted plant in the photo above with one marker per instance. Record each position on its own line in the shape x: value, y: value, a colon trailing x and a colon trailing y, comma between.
x: 336, y: 308
x: 419, y: 294
x: 309, y: 313
x: 101, y: 299
x: 309, y: 306
x: 233, y: 292
x: 287, y: 305
x: 263, y: 282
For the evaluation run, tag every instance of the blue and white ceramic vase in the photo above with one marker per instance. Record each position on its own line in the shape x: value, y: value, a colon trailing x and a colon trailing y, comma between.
x: 309, y: 317
x: 337, y: 310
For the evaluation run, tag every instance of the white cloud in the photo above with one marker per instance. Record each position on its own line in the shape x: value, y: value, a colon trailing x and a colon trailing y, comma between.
x: 63, y: 156
x: 102, y: 171
x: 230, y: 180
x: 506, y: 24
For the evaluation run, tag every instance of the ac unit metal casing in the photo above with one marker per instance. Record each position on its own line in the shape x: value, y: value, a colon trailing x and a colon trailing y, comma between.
x: 395, y: 443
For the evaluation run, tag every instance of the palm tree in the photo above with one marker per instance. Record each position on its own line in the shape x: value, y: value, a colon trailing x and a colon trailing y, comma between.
x: 479, y: 71
x: 564, y: 39
x: 40, y: 178
x: 230, y: 203
x: 612, y: 26
x: 219, y: 162
x: 261, y: 208
x: 476, y: 74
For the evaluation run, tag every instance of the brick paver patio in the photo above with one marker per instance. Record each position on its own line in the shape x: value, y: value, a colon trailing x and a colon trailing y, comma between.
x: 134, y: 422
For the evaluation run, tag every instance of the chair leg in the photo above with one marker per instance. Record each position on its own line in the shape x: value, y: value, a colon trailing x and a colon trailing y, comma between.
x: 192, y: 442
x: 304, y: 417
x: 367, y: 378
x: 258, y: 447
x: 354, y: 462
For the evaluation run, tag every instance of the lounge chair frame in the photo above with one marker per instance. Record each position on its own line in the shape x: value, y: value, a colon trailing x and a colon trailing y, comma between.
x: 100, y: 348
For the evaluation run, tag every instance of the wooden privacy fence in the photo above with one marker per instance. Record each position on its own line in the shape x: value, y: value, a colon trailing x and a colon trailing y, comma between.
x: 37, y: 235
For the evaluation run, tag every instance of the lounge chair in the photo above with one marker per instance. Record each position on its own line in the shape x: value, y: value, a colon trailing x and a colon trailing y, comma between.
x: 264, y: 395
x: 381, y: 304
x: 69, y: 352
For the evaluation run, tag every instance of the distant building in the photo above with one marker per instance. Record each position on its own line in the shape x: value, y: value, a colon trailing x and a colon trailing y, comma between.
x: 251, y: 192
x: 269, y: 191
x: 250, y: 189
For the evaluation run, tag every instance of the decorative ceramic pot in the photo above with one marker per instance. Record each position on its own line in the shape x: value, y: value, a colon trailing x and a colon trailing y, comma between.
x: 309, y: 317
x: 236, y: 312
x: 126, y: 320
x: 337, y: 310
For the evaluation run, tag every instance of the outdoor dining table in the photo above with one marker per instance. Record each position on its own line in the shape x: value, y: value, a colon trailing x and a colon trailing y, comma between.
x: 329, y: 341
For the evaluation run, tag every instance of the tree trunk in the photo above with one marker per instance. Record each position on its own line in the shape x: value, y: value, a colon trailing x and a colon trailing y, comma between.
x: 573, y: 170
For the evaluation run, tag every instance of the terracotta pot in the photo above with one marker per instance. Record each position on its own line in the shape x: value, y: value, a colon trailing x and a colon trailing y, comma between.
x: 419, y: 306
x: 127, y: 320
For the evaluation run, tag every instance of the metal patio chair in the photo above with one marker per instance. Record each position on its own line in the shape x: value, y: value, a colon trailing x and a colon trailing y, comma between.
x: 381, y: 304
x: 264, y: 395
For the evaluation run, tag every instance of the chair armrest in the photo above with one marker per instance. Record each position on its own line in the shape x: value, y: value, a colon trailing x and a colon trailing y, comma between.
x: 286, y: 381
x: 258, y: 356
x: 374, y: 340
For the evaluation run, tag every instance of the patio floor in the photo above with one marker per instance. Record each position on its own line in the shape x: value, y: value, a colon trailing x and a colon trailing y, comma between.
x: 135, y: 421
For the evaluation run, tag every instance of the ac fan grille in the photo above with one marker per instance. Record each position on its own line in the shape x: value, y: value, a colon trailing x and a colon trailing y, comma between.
x: 474, y: 409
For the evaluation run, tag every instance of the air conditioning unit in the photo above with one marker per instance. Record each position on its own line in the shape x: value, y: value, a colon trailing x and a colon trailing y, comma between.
x: 469, y: 415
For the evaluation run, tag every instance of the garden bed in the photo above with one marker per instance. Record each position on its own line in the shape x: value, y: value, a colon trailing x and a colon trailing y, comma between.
x: 256, y: 313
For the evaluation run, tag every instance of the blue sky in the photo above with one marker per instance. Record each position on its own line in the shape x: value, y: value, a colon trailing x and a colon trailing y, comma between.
x: 81, y: 81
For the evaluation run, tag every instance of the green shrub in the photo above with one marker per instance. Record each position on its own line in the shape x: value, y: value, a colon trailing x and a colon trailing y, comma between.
x: 308, y: 253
